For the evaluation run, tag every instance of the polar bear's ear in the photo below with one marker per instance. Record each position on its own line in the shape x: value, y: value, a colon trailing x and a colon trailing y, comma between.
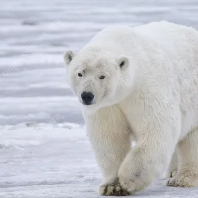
x: 69, y: 55
x: 123, y: 62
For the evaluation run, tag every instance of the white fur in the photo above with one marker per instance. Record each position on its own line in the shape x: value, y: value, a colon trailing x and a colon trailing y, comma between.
x: 153, y: 97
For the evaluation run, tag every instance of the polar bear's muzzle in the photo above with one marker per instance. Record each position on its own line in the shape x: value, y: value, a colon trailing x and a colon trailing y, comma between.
x: 87, y: 98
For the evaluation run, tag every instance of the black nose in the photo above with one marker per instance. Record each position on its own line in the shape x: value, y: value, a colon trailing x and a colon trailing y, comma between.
x: 87, y: 97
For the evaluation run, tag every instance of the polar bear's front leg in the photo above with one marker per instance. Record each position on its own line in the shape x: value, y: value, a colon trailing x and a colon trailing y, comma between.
x: 157, y: 134
x: 109, y: 134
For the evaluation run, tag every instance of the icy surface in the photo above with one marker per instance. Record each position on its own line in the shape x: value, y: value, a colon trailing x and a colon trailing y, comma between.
x: 43, y: 153
x: 56, y: 161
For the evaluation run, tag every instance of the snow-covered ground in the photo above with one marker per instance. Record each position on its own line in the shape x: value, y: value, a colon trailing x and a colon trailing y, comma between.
x: 56, y: 161
x: 44, y: 151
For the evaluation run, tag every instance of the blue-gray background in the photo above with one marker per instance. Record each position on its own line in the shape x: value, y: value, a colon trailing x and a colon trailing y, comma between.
x: 34, y: 34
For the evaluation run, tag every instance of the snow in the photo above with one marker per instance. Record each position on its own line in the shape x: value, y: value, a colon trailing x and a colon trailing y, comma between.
x: 56, y: 161
x: 43, y: 146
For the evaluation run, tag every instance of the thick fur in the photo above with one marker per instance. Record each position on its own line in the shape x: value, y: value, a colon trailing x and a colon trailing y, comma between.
x: 150, y: 93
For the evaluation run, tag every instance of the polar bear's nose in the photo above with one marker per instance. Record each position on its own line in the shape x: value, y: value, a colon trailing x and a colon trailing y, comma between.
x: 87, y: 97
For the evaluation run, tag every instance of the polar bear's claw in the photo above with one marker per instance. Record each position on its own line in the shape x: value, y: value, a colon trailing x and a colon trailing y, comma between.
x: 114, y: 189
x: 185, y: 179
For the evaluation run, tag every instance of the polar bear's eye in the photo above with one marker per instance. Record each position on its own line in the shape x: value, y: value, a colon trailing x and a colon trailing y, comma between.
x: 102, y: 77
x: 80, y: 75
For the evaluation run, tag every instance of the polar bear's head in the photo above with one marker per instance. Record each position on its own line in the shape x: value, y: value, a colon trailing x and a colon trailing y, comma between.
x: 98, y: 78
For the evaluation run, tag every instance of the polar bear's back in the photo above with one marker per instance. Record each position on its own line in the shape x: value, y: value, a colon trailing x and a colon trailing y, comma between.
x: 165, y: 35
x: 169, y: 34
x: 156, y: 29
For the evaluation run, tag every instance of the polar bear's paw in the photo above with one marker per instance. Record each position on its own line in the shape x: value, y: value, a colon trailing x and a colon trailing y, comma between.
x: 113, y: 189
x: 184, y: 179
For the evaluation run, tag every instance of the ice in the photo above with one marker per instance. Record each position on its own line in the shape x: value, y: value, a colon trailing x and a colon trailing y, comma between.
x: 43, y: 146
x: 56, y: 161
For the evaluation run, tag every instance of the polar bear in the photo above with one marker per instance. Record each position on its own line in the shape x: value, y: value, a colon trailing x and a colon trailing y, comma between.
x: 140, y: 84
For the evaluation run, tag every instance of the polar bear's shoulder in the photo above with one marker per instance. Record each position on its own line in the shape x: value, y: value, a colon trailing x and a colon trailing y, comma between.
x: 112, y: 34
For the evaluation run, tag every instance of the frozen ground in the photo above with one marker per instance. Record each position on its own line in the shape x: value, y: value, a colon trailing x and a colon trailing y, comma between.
x: 56, y: 161
x: 42, y: 155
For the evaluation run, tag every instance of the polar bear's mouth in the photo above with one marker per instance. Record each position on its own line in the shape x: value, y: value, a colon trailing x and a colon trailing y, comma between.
x: 88, y: 104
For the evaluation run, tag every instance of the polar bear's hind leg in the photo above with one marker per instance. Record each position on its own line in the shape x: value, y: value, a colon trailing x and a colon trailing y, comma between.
x: 187, y: 175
